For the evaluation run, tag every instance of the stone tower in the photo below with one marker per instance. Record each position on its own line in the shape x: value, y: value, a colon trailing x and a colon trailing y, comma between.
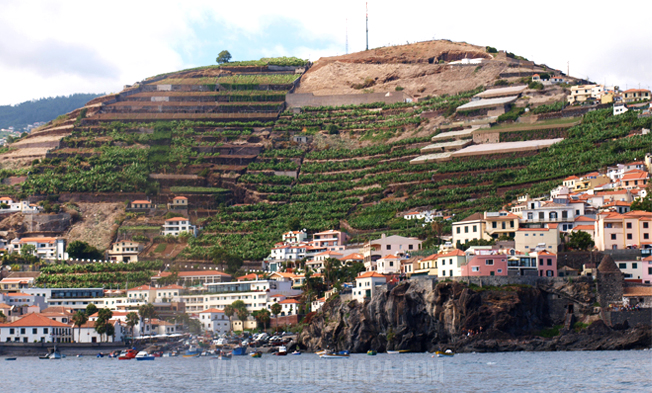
x: 610, y: 282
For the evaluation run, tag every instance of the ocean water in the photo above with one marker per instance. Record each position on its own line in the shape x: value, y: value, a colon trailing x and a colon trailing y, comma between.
x: 613, y: 371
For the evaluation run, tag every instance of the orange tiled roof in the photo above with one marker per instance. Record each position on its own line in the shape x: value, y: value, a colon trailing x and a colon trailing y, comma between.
x: 36, y: 320
x: 454, y: 253
x: 211, y: 310
x: 176, y: 219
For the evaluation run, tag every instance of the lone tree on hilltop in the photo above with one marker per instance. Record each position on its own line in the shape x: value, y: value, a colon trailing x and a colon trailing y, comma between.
x: 223, y: 57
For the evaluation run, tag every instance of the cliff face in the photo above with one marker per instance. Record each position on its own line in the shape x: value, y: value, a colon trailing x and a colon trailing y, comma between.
x: 415, y: 317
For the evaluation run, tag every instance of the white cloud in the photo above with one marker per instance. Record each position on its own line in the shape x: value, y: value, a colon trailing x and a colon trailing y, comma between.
x: 63, y: 47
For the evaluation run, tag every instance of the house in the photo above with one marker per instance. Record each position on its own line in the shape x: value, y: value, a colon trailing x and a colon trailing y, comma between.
x: 35, y: 328
x: 317, y: 304
x: 485, y: 265
x: 124, y: 251
x: 615, y: 231
x: 410, y: 265
x: 352, y: 258
x: 499, y: 224
x: 449, y: 264
x: 331, y: 240
x: 616, y: 206
x: 638, y: 296
x: 470, y: 228
x: 140, y: 205
x: 560, y: 210
x: 547, y: 266
x: 214, y: 320
x: 180, y: 202
x: 289, y: 307
x: 570, y: 182
x: 373, y: 250
x: 619, y: 108
x: 427, y: 266
x: 250, y: 277
x: 558, y: 79
x: 646, y: 270
x: 294, y: 237
x: 319, y: 260
x: 532, y: 239
x: 389, y: 264
x: 633, y: 95
x: 44, y: 247
x: 16, y: 284
x: 632, y: 270
x: 178, y: 225
x: 148, y: 294
x: 86, y: 333
x: 634, y: 179
x: 582, y: 93
x: 187, y: 278
x: 366, y: 285
x: 249, y: 324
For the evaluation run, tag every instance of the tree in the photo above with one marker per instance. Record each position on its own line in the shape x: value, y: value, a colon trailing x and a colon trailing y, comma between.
x: 3, y: 317
x: 109, y: 330
x: 147, y: 311
x: 229, y: 311
x: 102, y: 321
x: 79, y: 319
x: 580, y: 240
x: 223, y: 57
x: 194, y: 326
x: 27, y: 250
x: 475, y: 242
x: 262, y: 316
x: 332, y: 271
x: 644, y: 204
x: 276, y: 309
x: 91, y: 309
x: 132, y: 321
x: 81, y: 250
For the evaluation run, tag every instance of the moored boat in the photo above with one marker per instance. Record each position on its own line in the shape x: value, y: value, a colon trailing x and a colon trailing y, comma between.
x: 225, y: 355
x: 256, y: 354
x: 371, y: 352
x: 192, y: 353
x: 127, y: 354
x: 143, y: 355
x: 447, y: 353
x: 297, y: 352
x: 239, y: 351
x: 393, y: 352
x: 10, y: 358
x: 282, y: 351
x: 334, y: 356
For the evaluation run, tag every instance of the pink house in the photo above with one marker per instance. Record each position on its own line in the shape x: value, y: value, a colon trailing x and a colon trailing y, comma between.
x: 646, y: 270
x: 485, y: 265
x: 331, y: 240
x: 547, y: 264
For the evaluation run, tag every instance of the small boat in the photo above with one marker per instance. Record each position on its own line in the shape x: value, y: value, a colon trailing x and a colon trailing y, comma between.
x: 80, y: 355
x: 403, y: 350
x: 143, y: 355
x: 192, y: 353
x: 282, y: 351
x: 226, y: 356
x: 99, y: 355
x: 127, y: 354
x: 296, y: 352
x: 319, y: 353
x: 10, y: 358
x: 256, y: 354
x: 393, y: 352
x: 239, y: 351
x: 333, y: 355
x: 371, y: 352
x: 448, y: 353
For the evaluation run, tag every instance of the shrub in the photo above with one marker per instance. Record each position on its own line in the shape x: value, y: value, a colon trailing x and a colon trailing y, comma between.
x: 501, y: 82
x: 535, y: 86
x: 398, y: 88
x: 491, y: 49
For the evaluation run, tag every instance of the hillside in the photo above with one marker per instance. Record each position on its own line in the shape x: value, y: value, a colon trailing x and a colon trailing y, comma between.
x: 252, y: 169
x: 41, y: 110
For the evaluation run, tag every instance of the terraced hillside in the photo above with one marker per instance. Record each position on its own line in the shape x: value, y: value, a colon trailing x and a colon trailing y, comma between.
x: 251, y: 177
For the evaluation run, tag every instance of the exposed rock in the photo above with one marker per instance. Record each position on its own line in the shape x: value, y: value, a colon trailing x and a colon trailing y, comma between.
x: 416, y: 318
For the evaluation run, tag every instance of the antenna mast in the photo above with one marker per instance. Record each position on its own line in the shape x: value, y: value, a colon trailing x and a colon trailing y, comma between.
x: 366, y: 4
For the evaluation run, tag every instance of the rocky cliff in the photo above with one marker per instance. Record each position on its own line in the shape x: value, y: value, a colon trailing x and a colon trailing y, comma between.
x: 417, y: 317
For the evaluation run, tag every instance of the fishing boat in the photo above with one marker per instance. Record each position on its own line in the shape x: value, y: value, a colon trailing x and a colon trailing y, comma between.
x: 282, y: 351
x: 191, y: 353
x: 403, y: 350
x: 53, y: 354
x: 256, y: 354
x: 393, y: 352
x: 319, y: 353
x: 239, y: 351
x: 297, y: 352
x: 99, y: 355
x: 127, y: 354
x: 371, y: 352
x: 143, y: 355
x: 10, y: 358
x: 335, y: 355
x: 447, y: 353
x: 225, y: 355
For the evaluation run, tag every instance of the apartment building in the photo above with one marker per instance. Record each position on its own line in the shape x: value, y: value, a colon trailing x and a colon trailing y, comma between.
x: 615, y: 231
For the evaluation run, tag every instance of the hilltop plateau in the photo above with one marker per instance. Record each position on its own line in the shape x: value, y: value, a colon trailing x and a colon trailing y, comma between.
x: 254, y: 160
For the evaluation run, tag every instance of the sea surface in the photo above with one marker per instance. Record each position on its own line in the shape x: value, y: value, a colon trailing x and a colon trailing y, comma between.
x: 608, y: 371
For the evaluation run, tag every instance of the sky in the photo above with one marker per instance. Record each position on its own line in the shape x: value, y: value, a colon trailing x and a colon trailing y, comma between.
x: 50, y: 48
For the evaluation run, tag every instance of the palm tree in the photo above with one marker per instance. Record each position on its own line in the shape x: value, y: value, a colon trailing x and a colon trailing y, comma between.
x: 132, y: 320
x: 147, y: 311
x: 276, y: 309
x: 79, y: 319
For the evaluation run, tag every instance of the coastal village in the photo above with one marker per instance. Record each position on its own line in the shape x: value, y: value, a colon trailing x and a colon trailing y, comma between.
x: 182, y: 265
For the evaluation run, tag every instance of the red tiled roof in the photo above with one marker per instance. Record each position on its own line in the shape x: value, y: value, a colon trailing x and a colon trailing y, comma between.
x: 371, y: 274
x: 172, y: 286
x: 176, y: 219
x: 354, y: 256
x: 571, y: 178
x: 179, y: 197
x: 454, y: 253
x: 211, y: 310
x: 141, y: 288
x: 288, y: 301
x: 36, y: 320
x: 584, y: 228
x: 17, y: 294
x: 141, y: 202
x: 584, y: 219
x: 636, y: 91
x: 37, y: 240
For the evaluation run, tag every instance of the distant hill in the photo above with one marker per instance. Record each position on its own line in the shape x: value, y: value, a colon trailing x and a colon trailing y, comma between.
x: 44, y: 109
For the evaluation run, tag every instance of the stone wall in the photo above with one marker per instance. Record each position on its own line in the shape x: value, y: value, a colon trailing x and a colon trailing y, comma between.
x: 47, y: 222
x: 632, y: 317
x: 486, y: 137
x: 309, y: 99
x: 280, y: 321
x: 518, y: 280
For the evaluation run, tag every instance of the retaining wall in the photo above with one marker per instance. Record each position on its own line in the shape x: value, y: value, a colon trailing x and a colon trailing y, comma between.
x: 309, y: 99
x: 632, y: 317
x: 518, y: 280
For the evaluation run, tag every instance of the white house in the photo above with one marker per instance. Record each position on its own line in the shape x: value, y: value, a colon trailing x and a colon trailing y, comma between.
x: 450, y: 264
x: 373, y: 250
x: 289, y: 307
x: 87, y: 333
x: 11, y: 206
x: 317, y: 304
x: 177, y: 225
x: 388, y: 264
x: 214, y: 320
x: 124, y: 251
x: 295, y: 237
x: 620, y: 108
x: 365, y: 285
x: 44, y: 247
x: 35, y: 328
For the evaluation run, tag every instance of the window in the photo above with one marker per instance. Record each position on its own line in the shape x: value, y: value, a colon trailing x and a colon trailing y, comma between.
x: 634, y: 265
x: 22, y: 330
x: 410, y: 246
x: 494, y: 224
x: 645, y: 225
x: 542, y: 215
x: 550, y: 273
x: 389, y: 246
x: 503, y: 224
x: 477, y: 268
x: 458, y: 229
x: 622, y: 266
x: 549, y: 262
x: 613, y: 236
x: 492, y: 273
x: 511, y: 224
x: 391, y: 263
x: 475, y: 228
x: 629, y: 225
x: 540, y: 261
x: 564, y: 214
x: 629, y: 236
x: 34, y: 330
x: 11, y: 331
x: 530, y: 216
x: 450, y: 273
x: 443, y: 273
x: 489, y: 262
x: 443, y: 262
x: 45, y: 330
x: 577, y: 212
x: 608, y: 225
x: 646, y: 236
x: 466, y: 229
x: 500, y: 270
x: 553, y: 215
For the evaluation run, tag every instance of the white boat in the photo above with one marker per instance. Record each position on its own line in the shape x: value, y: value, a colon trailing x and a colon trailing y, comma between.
x: 143, y: 355
x: 393, y: 352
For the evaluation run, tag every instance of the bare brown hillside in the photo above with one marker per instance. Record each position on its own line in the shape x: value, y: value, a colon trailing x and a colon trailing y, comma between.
x: 420, y: 69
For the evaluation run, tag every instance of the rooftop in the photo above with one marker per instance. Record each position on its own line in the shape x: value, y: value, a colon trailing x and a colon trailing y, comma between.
x: 486, y: 103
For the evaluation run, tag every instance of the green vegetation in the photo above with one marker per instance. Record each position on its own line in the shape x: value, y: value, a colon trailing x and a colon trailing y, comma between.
x: 223, y: 57
x: 97, y: 275
x: 273, y: 61
x: 41, y: 110
x: 550, y: 332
